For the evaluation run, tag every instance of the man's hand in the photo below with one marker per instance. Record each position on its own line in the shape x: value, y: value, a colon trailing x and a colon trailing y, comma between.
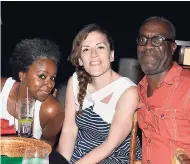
x: 184, y: 159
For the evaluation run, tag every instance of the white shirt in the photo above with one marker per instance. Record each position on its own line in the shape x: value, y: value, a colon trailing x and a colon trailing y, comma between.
x: 106, y: 111
x: 37, y: 130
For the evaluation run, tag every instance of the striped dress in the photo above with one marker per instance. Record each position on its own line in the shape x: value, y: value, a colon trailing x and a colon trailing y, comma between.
x: 95, y: 120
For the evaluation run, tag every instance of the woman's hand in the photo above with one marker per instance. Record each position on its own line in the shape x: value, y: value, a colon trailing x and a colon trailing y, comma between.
x: 184, y: 159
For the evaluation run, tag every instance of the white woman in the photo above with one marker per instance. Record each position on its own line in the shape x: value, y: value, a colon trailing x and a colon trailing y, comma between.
x: 99, y: 104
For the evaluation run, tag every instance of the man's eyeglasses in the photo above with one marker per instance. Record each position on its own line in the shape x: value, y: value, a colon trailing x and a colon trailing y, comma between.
x: 155, y: 40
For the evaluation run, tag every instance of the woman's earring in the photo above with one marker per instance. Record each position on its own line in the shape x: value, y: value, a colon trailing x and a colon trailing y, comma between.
x: 80, y: 62
x: 21, y: 76
x: 112, y: 56
x: 111, y: 59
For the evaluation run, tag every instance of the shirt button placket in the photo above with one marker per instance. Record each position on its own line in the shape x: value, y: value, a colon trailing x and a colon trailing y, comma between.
x: 149, y: 141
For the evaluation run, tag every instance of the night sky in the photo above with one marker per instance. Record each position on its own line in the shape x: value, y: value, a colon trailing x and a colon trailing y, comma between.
x: 60, y: 22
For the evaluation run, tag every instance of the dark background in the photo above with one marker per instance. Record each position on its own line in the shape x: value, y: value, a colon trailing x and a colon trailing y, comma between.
x: 60, y: 21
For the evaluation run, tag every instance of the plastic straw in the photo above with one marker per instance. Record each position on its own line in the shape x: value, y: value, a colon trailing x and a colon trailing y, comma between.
x: 27, y: 100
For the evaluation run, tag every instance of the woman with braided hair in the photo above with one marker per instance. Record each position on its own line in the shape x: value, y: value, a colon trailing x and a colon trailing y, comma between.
x: 99, y: 103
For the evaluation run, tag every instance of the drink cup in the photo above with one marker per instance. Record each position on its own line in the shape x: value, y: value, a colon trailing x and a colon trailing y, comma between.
x: 25, y: 109
x: 35, y: 155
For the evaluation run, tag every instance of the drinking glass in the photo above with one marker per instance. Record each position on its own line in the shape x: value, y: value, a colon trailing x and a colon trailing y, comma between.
x: 35, y: 155
x: 25, y: 109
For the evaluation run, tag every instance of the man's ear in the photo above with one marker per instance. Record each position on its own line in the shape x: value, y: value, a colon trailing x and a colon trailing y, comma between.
x: 22, y: 76
x: 174, y: 46
x: 80, y: 62
x: 112, y: 56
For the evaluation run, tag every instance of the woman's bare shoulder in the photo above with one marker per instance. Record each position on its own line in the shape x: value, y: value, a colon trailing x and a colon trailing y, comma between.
x: 131, y: 92
x: 50, y: 106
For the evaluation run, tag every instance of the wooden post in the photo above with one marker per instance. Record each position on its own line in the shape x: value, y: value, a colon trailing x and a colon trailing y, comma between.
x: 133, y: 140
